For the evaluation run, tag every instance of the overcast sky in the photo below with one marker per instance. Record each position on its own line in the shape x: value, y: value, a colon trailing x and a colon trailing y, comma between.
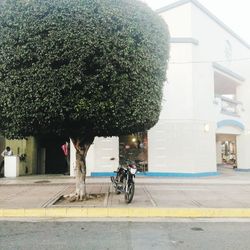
x: 235, y: 14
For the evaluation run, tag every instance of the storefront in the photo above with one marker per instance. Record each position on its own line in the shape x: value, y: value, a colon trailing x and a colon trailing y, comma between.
x: 134, y: 148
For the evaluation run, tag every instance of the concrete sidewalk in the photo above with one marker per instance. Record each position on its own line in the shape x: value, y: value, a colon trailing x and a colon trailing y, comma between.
x: 226, y: 195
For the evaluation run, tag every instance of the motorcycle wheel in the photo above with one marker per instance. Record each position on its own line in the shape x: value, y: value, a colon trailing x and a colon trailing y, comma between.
x: 130, y: 194
x: 117, y: 191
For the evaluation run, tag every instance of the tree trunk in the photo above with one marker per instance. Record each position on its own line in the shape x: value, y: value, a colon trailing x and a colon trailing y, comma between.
x: 82, y: 148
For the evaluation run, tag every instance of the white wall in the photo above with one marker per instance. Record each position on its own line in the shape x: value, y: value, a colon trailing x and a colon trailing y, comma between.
x: 243, y: 151
x: 178, y: 143
x: 99, y: 156
x: 179, y: 21
x: 182, y: 147
x: 213, y: 46
x: 105, y: 150
x: 178, y: 97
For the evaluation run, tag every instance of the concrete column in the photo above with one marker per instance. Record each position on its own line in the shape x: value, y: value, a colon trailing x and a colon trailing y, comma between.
x: 243, y: 151
x: 218, y: 152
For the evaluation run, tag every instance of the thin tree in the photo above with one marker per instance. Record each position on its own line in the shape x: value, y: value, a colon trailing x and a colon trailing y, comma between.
x: 80, y: 69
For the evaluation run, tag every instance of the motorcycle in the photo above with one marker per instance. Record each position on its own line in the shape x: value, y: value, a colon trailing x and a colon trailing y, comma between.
x: 123, y: 182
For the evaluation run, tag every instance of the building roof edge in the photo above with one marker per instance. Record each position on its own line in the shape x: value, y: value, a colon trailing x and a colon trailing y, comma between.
x: 208, y: 13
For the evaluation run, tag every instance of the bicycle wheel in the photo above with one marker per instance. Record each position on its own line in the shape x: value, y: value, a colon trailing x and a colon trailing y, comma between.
x: 130, y: 194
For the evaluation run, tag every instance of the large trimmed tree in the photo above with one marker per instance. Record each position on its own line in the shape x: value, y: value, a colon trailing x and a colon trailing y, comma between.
x: 80, y: 69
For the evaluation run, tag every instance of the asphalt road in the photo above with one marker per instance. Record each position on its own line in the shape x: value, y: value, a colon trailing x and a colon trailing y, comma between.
x: 124, y: 235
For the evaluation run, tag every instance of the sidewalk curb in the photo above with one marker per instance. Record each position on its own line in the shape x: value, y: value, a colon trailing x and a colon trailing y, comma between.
x: 127, y: 212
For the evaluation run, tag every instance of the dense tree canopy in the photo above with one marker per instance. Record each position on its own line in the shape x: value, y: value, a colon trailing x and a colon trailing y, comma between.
x: 71, y: 67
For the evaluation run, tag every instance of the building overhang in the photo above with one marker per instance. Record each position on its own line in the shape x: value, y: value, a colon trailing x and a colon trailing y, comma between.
x: 228, y: 72
x: 184, y: 40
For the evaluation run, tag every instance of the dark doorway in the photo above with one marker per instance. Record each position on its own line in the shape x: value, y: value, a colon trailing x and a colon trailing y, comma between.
x: 55, y: 162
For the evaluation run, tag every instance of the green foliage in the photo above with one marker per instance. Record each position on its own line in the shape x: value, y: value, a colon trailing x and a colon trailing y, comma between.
x: 71, y: 67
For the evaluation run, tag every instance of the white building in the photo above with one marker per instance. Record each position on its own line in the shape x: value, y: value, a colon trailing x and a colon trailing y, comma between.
x: 205, y: 118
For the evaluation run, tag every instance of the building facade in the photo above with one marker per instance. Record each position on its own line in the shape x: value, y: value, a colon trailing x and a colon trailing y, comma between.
x: 205, y: 118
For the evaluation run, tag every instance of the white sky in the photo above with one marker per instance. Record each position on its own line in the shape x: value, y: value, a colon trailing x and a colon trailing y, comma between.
x: 235, y: 13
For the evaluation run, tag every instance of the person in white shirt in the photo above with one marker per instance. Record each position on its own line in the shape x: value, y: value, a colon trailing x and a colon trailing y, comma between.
x: 6, y: 152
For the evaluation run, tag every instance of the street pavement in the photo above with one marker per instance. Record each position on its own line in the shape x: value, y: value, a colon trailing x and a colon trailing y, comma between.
x: 225, y: 195
x: 123, y: 235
